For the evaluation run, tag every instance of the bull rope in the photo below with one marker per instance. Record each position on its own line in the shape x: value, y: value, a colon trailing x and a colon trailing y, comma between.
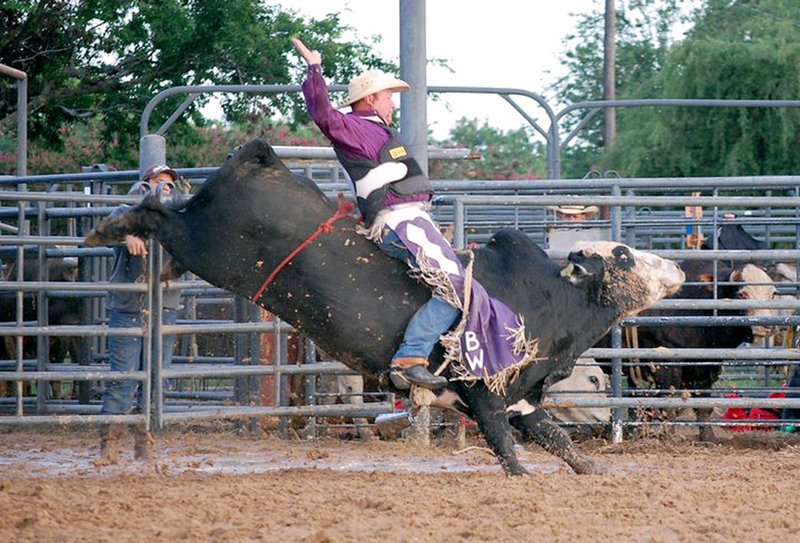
x: 343, y: 210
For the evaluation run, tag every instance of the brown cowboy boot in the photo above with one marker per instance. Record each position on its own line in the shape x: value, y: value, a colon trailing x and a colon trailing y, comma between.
x: 142, y: 443
x: 109, y: 443
x: 414, y: 371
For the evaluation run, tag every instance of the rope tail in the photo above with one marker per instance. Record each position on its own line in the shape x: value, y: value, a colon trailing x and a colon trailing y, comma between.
x: 342, y: 210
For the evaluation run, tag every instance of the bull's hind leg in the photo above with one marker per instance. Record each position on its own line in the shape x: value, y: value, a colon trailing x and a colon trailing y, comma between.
x: 489, y: 413
x: 539, y: 428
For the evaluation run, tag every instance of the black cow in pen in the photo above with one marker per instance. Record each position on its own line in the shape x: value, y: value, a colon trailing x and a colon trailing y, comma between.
x: 680, y: 377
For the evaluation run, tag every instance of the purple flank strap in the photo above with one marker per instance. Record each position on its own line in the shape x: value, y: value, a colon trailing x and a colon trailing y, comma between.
x: 486, y: 343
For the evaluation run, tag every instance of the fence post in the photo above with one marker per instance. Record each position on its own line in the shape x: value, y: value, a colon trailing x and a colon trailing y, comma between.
x: 616, y: 216
x: 156, y: 345
x: 618, y: 414
x: 152, y: 150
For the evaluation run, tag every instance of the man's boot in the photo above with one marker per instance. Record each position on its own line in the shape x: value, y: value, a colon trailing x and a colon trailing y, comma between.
x: 142, y: 443
x: 414, y: 371
x: 109, y: 443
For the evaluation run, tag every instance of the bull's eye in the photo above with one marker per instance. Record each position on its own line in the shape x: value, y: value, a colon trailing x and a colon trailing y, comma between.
x: 623, y: 257
x: 594, y: 380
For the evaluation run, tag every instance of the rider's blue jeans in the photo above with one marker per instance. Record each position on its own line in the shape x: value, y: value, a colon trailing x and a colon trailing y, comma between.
x: 431, y: 320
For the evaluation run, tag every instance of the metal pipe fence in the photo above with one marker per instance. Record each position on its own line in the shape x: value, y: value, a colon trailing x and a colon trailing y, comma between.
x: 765, y: 214
x: 472, y: 208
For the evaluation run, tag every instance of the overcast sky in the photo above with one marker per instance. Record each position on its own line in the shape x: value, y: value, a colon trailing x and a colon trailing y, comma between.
x: 498, y: 43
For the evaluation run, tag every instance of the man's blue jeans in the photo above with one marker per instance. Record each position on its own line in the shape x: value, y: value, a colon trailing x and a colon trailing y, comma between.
x: 431, y: 320
x: 125, y: 354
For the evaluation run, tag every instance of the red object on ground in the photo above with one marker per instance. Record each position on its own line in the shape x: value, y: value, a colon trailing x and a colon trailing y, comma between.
x: 756, y: 413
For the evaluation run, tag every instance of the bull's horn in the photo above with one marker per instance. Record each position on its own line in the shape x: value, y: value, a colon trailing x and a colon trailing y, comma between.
x: 574, y: 272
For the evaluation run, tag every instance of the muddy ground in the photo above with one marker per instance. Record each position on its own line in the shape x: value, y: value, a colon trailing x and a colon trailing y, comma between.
x: 221, y: 485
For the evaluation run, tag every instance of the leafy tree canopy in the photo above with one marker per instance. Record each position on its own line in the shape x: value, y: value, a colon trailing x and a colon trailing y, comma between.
x: 103, y: 60
x: 93, y: 66
x: 734, y: 49
x: 644, y: 34
x: 503, y: 155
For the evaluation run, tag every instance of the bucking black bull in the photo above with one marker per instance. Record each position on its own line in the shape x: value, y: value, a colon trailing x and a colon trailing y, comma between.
x: 354, y: 301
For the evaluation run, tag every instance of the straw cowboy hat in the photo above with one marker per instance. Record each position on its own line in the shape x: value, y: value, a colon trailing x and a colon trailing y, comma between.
x: 370, y: 83
x: 575, y: 209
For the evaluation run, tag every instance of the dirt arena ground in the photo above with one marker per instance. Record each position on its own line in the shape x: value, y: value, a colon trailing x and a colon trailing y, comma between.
x: 223, y: 486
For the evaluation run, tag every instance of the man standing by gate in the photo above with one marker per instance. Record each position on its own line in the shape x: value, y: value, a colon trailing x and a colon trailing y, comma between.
x: 126, y: 353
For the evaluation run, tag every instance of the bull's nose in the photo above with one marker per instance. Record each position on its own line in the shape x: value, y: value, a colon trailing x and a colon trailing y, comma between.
x: 677, y: 278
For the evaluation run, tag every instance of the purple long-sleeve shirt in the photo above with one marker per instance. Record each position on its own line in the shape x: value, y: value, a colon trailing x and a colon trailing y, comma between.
x: 350, y: 132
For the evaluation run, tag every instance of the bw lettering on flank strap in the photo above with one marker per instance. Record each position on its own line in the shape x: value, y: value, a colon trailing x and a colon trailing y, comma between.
x: 489, y: 342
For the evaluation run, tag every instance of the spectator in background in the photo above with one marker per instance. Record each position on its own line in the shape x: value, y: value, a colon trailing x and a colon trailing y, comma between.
x: 567, y: 230
x: 126, y: 353
x: 574, y: 213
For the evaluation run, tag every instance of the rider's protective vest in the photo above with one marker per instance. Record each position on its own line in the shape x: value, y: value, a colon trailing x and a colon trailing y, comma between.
x: 396, y: 172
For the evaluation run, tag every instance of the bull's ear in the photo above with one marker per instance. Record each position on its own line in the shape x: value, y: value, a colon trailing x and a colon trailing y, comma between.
x: 575, y: 273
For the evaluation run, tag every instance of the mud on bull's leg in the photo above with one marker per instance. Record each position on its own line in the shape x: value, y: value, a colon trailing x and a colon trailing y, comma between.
x: 489, y: 413
x: 106, y: 232
x: 706, y: 432
x: 539, y: 428
x: 112, y: 230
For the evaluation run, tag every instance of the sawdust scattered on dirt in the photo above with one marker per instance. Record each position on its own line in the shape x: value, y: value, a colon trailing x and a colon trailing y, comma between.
x: 223, y: 486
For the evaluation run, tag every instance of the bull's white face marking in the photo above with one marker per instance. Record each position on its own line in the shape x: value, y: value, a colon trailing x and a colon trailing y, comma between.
x: 787, y: 272
x: 585, y: 382
x: 760, y: 285
x: 650, y: 276
x: 523, y: 407
x: 431, y: 250
x: 757, y: 286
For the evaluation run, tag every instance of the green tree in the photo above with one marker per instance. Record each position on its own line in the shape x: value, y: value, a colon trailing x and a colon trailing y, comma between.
x: 644, y: 36
x: 736, y: 50
x: 503, y: 155
x: 103, y: 60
